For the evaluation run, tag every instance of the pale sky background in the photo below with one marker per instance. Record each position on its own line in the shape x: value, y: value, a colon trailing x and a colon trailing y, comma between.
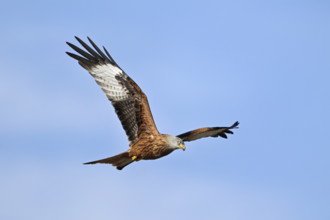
x: 201, y: 63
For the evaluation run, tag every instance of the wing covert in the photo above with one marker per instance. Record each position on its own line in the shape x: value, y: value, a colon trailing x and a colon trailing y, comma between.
x: 129, y: 101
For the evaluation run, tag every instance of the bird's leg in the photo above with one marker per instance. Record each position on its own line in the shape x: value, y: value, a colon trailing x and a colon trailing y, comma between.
x: 135, y: 158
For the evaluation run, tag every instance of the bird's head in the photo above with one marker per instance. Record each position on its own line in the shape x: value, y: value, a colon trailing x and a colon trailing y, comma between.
x: 175, y: 142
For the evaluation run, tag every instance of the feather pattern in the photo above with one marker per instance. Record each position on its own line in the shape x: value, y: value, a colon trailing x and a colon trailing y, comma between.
x: 208, y: 132
x: 129, y: 101
x: 119, y: 160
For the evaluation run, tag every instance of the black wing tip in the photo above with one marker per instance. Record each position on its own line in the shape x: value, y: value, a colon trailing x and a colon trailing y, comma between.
x: 90, y: 56
x: 75, y: 56
x: 235, y: 125
x: 78, y: 39
x: 223, y: 135
x: 89, y: 39
x: 228, y: 131
x: 68, y: 43
x: 82, y: 61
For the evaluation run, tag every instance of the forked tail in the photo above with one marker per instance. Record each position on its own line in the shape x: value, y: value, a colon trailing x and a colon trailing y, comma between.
x: 120, y: 160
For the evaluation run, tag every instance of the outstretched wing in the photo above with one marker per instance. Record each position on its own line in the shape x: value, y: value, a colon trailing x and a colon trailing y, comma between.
x: 129, y: 101
x: 208, y: 132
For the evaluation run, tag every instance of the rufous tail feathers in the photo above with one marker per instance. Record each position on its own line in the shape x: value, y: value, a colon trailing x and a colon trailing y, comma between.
x: 120, y: 160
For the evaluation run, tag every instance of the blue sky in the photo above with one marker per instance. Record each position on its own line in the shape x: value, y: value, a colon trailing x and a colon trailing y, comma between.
x: 201, y: 63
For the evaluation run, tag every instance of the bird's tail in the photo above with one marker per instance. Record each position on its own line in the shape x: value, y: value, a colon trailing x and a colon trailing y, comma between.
x: 120, y: 160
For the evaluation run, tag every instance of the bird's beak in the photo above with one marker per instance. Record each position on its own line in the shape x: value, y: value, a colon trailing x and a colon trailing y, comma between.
x: 182, y: 146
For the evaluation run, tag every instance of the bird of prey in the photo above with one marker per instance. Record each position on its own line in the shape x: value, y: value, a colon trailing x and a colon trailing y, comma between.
x: 132, y: 108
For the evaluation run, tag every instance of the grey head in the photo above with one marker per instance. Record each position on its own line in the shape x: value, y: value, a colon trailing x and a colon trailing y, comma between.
x: 174, y: 142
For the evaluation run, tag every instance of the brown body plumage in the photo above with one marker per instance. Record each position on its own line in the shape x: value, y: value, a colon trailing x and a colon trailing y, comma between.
x: 132, y: 108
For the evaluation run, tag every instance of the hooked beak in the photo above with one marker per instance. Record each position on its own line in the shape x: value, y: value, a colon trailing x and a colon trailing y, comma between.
x: 182, y: 146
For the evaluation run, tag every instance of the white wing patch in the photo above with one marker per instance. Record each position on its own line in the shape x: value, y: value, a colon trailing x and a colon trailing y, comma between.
x: 105, y: 77
x: 113, y: 81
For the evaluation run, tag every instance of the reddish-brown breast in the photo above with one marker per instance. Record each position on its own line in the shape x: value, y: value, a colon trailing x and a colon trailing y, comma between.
x: 150, y: 147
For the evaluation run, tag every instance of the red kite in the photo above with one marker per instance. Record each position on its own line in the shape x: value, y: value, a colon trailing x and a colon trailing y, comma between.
x: 132, y: 108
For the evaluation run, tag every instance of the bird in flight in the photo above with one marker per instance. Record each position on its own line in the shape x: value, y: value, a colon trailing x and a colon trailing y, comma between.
x: 133, y: 111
